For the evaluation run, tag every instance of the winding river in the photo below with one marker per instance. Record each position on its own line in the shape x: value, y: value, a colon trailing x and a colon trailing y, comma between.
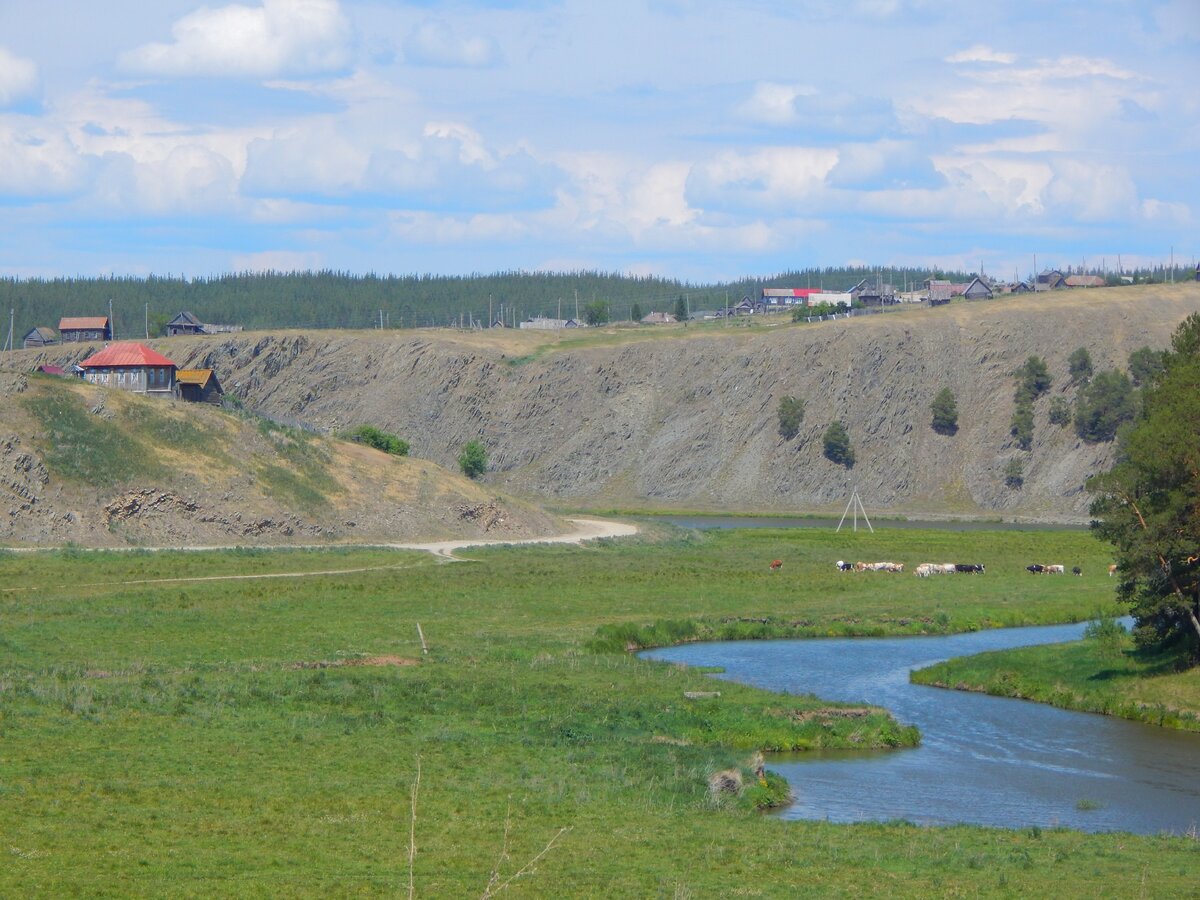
x: 983, y: 760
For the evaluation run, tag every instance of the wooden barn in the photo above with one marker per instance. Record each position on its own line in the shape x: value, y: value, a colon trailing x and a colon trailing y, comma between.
x: 187, y: 323
x: 199, y: 386
x: 131, y: 367
x: 80, y: 329
x: 39, y: 337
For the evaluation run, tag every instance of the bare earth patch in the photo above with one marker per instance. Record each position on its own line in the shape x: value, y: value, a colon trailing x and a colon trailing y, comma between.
x: 385, y: 660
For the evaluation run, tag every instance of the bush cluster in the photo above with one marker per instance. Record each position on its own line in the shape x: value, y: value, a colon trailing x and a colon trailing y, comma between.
x: 791, y: 416
x: 1033, y: 380
x: 380, y: 440
x: 944, y: 409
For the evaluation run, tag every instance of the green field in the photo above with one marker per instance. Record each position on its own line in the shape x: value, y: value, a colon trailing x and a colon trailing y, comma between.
x: 207, y: 737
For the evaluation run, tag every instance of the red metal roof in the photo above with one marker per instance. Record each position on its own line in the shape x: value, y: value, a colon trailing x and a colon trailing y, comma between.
x: 126, y: 355
x: 83, y: 322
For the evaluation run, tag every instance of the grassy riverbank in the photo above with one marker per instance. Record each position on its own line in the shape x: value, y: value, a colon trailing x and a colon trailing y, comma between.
x: 1102, y: 674
x: 262, y: 736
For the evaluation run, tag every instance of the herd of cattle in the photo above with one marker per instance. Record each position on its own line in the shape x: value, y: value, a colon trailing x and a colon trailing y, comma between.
x: 924, y: 570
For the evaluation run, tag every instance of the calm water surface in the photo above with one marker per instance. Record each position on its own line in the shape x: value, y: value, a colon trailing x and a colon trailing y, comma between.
x: 983, y: 760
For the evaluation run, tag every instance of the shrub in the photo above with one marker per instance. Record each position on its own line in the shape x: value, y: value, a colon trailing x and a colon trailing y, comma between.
x: 596, y: 313
x: 1014, y: 474
x: 791, y: 416
x: 837, y: 445
x: 380, y: 440
x: 1103, y: 406
x: 1079, y: 364
x: 1022, y: 425
x: 1060, y: 412
x: 1033, y: 379
x: 473, y: 459
x: 945, y: 412
x: 1145, y: 364
x: 635, y: 312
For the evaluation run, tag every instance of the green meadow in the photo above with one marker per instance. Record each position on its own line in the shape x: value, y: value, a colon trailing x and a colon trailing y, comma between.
x: 170, y: 726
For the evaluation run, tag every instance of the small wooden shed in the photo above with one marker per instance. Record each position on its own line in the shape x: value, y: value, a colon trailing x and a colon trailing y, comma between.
x: 39, y: 337
x: 199, y: 386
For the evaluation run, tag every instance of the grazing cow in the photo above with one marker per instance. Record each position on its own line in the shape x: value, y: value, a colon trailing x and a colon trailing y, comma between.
x: 776, y: 565
x: 1054, y: 570
x: 845, y: 566
x: 1035, y: 569
x: 924, y: 570
x: 1112, y: 570
x: 1075, y: 570
x: 945, y: 568
x: 969, y: 568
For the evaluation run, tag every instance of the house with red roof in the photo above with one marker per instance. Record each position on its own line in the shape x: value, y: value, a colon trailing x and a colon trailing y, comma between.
x: 131, y: 367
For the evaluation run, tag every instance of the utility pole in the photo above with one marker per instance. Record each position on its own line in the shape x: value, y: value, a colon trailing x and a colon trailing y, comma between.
x: 576, y: 304
x: 112, y: 326
x: 490, y: 319
x: 12, y: 316
x: 147, y: 321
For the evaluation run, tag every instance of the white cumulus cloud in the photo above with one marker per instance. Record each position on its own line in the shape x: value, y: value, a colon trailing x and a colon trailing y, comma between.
x: 435, y: 43
x: 279, y: 37
x: 981, y: 53
x: 773, y: 103
x: 18, y: 77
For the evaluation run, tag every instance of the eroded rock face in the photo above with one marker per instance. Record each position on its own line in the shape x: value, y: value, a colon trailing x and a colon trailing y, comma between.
x: 148, y: 502
x: 487, y: 515
x: 692, y: 422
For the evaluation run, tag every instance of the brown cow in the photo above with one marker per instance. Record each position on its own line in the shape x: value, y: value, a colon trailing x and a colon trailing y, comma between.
x: 1112, y: 570
x: 776, y: 565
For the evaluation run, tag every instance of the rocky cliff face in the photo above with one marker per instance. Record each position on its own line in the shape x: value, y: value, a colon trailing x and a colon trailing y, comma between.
x: 689, y: 419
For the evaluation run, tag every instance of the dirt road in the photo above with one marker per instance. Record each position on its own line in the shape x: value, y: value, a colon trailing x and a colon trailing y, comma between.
x: 585, y: 530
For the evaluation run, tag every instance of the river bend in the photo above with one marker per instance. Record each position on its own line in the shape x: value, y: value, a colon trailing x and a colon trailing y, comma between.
x: 983, y: 760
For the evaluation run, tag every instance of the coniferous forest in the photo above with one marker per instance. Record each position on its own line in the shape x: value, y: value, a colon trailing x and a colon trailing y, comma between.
x: 330, y: 299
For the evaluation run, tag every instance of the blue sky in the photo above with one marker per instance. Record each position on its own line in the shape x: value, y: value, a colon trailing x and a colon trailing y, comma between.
x: 689, y: 138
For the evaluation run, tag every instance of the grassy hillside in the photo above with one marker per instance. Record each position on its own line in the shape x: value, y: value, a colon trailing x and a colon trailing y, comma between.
x: 90, y: 465
x: 687, y: 418
x: 258, y: 737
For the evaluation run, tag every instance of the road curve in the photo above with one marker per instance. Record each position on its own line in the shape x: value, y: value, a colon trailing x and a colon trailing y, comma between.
x: 585, y: 530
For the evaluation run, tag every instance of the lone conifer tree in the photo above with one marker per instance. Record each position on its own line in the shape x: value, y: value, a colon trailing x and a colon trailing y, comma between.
x: 945, y: 412
x: 837, y: 445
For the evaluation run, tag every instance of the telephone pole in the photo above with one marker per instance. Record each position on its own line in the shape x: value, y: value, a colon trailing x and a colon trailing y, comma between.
x: 112, y: 326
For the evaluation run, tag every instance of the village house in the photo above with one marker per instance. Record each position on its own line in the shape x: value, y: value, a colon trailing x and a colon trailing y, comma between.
x: 199, y: 386
x: 543, y: 323
x: 939, y: 291
x: 1084, y: 281
x: 186, y: 323
x: 79, y: 329
x: 779, y: 297
x: 39, y: 337
x: 978, y: 289
x: 131, y: 367
x: 873, y: 292
x: 1050, y: 280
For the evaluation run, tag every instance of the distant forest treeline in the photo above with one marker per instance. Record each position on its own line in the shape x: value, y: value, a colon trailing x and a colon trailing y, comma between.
x: 342, y: 300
